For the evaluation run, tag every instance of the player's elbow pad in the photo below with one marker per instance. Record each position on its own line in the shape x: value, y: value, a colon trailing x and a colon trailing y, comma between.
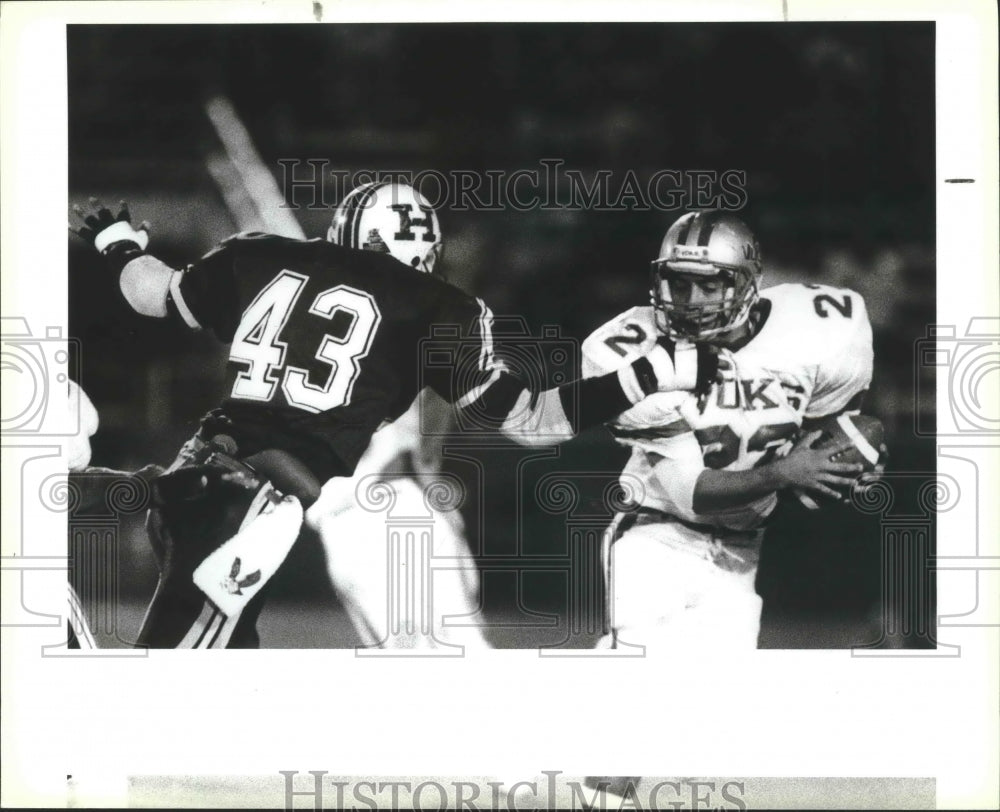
x: 145, y: 283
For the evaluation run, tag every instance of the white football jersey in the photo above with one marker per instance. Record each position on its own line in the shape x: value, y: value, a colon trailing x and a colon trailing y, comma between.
x: 810, y: 357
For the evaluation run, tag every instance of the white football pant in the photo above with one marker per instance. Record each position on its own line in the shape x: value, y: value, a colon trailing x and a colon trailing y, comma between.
x: 405, y: 575
x: 677, y: 590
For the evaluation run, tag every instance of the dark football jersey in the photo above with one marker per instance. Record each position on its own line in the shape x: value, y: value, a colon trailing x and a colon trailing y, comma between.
x: 326, y: 343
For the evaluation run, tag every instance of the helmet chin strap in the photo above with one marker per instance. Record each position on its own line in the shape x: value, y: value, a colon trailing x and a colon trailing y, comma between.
x: 429, y: 263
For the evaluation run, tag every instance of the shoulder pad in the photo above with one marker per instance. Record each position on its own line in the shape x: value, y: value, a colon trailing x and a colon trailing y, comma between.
x: 831, y: 335
x: 619, y: 342
x: 232, y: 241
x: 256, y: 237
x: 249, y: 235
x: 819, y: 316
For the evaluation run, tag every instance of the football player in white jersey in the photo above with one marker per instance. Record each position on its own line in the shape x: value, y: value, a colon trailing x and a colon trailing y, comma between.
x: 681, y: 567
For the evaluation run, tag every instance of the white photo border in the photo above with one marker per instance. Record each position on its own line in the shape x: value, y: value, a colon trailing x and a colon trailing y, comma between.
x: 792, y: 713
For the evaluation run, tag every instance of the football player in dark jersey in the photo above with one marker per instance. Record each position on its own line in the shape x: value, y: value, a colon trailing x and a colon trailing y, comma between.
x: 324, y: 346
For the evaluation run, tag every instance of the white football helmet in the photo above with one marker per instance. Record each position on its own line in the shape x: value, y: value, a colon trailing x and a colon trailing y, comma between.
x: 393, y: 218
x: 710, y: 244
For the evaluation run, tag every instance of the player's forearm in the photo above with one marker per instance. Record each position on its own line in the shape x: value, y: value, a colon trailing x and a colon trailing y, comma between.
x: 555, y: 415
x: 724, y: 490
x: 560, y: 413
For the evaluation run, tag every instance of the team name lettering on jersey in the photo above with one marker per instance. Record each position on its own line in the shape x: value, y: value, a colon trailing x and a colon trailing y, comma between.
x: 746, y: 393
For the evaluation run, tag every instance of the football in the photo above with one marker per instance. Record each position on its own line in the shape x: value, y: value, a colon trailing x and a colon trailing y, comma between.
x: 866, y: 435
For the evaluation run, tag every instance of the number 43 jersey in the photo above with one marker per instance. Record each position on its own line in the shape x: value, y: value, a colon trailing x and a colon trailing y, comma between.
x: 326, y: 342
x: 810, y: 356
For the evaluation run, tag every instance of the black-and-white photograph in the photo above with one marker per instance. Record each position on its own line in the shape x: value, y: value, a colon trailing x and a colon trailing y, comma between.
x: 613, y: 342
x: 663, y: 287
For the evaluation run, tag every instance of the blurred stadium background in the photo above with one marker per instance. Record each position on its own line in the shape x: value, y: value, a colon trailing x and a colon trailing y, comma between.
x: 832, y: 123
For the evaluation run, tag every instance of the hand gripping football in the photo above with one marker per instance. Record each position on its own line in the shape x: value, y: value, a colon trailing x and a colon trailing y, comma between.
x: 866, y: 436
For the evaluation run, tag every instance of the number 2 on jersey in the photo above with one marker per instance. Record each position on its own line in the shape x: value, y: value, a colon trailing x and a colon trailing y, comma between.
x: 843, y: 307
x: 257, y: 343
x: 633, y: 334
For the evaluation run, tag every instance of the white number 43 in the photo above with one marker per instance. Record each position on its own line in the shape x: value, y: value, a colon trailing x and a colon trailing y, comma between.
x: 257, y: 343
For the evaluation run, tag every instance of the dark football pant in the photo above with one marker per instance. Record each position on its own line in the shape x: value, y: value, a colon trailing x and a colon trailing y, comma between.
x: 180, y: 616
x: 197, y: 507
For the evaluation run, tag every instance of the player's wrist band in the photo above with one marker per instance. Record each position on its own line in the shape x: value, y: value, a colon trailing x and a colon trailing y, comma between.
x: 634, y: 380
x: 117, y: 232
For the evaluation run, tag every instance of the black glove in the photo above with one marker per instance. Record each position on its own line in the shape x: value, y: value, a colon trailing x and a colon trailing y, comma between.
x: 102, y: 229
